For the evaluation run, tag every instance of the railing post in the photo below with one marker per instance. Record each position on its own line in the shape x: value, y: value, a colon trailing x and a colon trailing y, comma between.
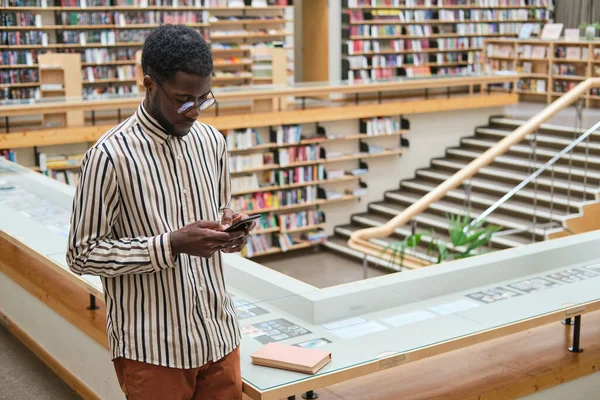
x: 535, y: 186
x: 365, y: 267
x: 467, y: 201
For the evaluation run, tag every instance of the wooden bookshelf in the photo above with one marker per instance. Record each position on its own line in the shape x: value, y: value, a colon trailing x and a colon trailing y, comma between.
x: 60, y: 75
x: 254, y: 20
x: 428, y: 24
x: 300, y: 206
x: 557, y: 71
x: 348, y: 178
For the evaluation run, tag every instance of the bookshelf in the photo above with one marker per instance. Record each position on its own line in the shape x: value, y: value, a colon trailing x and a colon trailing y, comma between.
x: 287, y: 173
x: 388, y: 38
x: 60, y: 76
x: 108, y: 33
x: 549, y: 68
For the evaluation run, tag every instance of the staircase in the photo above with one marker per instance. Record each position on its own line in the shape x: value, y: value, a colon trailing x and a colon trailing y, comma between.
x: 560, y: 199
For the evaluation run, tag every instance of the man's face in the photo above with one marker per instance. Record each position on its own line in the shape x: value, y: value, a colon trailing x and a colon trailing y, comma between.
x: 166, y: 97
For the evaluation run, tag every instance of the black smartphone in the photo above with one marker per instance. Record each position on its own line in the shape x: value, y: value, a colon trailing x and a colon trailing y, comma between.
x: 243, y: 224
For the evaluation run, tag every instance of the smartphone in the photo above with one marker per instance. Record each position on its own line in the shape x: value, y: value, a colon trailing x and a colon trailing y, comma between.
x: 242, y: 224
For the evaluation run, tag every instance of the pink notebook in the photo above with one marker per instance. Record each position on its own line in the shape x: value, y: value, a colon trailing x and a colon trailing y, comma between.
x: 292, y: 358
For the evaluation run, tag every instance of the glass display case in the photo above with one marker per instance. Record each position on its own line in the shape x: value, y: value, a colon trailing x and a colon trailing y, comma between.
x: 368, y: 325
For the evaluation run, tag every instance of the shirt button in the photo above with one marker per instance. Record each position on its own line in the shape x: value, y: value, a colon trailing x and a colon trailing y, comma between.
x: 185, y: 191
x: 179, y: 158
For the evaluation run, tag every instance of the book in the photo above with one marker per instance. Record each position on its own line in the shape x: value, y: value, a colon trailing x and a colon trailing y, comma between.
x: 292, y: 358
x: 551, y: 31
x: 572, y: 35
x: 525, y: 32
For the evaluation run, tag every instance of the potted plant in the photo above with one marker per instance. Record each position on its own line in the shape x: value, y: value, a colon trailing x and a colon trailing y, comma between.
x: 465, y: 241
x: 590, y: 30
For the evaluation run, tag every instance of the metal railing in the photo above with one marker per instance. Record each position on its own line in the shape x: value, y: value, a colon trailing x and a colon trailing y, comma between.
x: 532, y: 178
x: 360, y: 239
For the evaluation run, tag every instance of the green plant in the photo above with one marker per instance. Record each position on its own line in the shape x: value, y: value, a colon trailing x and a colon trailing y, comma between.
x: 465, y: 240
x: 584, y: 25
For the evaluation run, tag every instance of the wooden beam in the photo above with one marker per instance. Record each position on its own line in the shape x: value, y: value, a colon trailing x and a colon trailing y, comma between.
x: 47, y: 137
x: 315, y: 46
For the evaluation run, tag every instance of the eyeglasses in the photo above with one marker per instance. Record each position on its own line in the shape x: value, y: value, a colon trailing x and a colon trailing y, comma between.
x: 188, y: 105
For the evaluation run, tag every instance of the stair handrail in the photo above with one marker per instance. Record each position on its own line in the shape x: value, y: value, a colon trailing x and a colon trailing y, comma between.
x: 533, y: 176
x: 359, y: 240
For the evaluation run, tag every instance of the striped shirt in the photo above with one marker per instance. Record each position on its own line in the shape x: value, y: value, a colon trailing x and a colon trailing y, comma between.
x: 137, y: 185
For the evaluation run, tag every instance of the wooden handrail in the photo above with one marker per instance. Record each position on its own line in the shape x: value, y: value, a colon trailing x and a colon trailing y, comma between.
x: 359, y: 240
x: 249, y: 93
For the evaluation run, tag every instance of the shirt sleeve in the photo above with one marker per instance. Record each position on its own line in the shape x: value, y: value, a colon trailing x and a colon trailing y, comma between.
x: 93, y: 246
x: 224, y: 179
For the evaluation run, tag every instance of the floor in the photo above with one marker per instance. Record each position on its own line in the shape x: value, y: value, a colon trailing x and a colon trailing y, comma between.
x: 24, y: 377
x: 321, y: 269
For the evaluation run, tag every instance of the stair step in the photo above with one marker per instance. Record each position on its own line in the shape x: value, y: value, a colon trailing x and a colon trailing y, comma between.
x: 514, y: 161
x: 505, y: 174
x: 540, y: 152
x: 487, y: 200
x: 440, y: 223
x: 548, y: 140
x: 444, y: 207
x: 512, y: 124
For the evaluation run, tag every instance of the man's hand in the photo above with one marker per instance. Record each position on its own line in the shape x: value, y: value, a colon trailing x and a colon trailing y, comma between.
x: 205, y: 238
x: 230, y: 217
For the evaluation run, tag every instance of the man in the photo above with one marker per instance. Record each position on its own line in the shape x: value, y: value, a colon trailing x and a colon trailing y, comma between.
x: 144, y: 220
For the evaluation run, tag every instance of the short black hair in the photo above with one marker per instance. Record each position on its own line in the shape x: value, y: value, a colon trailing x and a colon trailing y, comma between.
x: 172, y: 48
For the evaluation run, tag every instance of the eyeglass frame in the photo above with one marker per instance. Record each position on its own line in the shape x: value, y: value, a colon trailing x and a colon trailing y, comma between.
x: 181, y: 110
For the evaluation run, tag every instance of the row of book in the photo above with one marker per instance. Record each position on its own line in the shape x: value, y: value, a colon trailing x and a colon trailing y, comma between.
x: 121, y: 72
x: 311, y: 173
x: 20, y: 19
x: 448, y: 15
x: 532, y: 85
x: 256, y: 244
x: 379, y: 126
x: 9, y: 155
x: 560, y: 86
x: 96, y: 91
x: 105, y: 37
x: 18, y: 38
x: 25, y: 57
x: 241, y: 139
x: 377, y: 46
x: 454, y: 71
x: 239, y: 163
x: 18, y: 76
x: 441, y: 3
x: 300, y: 219
x: 71, y: 178
x: 285, y: 134
x: 568, y: 69
x: 398, y: 61
x: 387, y: 67
x: 20, y: 93
x: 298, y: 154
x: 107, y: 55
x: 274, y: 200
x: 495, y: 28
x: 128, y: 18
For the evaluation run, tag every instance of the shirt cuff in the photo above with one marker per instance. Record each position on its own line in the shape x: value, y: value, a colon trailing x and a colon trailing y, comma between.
x: 161, y: 255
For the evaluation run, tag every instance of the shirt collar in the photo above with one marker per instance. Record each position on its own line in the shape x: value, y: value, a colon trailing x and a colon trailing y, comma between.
x: 150, y: 125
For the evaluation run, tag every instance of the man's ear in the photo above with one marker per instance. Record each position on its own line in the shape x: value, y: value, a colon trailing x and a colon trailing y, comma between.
x: 148, y: 83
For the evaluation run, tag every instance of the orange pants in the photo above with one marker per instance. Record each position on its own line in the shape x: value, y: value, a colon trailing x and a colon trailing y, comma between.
x: 212, y: 381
